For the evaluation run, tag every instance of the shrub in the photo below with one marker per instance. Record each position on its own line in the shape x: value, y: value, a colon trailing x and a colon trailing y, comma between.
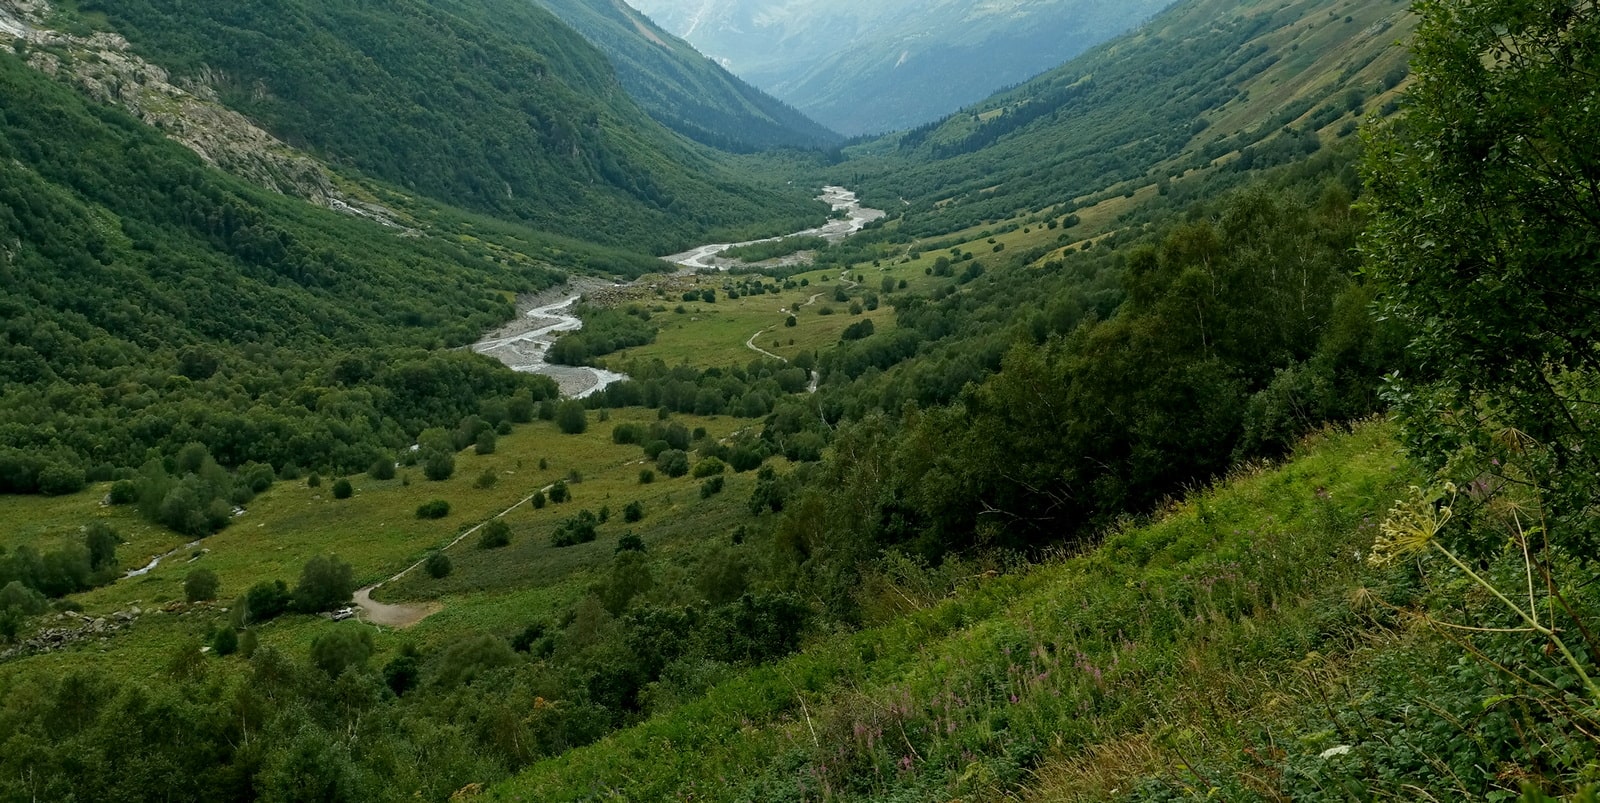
x: 340, y: 648
x: 438, y: 565
x: 673, y: 462
x: 709, y: 467
x: 325, y: 583
x: 572, y: 418
x: 263, y: 601
x: 342, y: 489
x: 653, y: 449
x: 434, y: 509
x: 486, y: 442
x: 559, y: 493
x: 124, y: 492
x: 539, y: 500
x: 438, y: 465
x: 314, y: 481
x: 629, y: 542
x: 791, y: 321
x: 382, y: 468
x: 60, y: 479
x: 646, y: 476
x: 579, y: 529
x: 711, y: 487
x: 488, y: 479
x: 634, y: 511
x: 494, y: 535
x: 201, y: 584
x: 627, y: 433
x: 744, y: 458
x: 225, y: 641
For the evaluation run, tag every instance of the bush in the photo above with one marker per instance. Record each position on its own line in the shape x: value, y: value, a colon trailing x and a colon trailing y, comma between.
x: 634, y: 511
x: 486, y: 442
x: 438, y: 565
x: 494, y: 535
x: 488, y: 479
x: 342, y: 489
x: 579, y: 529
x: 263, y: 601
x: 744, y: 459
x: 559, y: 493
x: 326, y: 582
x: 382, y: 468
x: 711, y: 487
x: 572, y: 418
x: 627, y: 433
x: 629, y: 542
x: 539, y: 500
x: 673, y: 462
x: 858, y: 330
x: 709, y: 467
x: 201, y: 584
x: 60, y: 479
x: 646, y: 476
x: 314, y: 481
x: 225, y: 641
x: 438, y: 465
x: 791, y: 321
x: 434, y: 509
x: 124, y: 492
x: 341, y: 648
x: 654, y: 448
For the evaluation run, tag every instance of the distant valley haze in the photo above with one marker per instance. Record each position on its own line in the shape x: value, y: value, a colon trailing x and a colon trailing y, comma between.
x: 865, y: 68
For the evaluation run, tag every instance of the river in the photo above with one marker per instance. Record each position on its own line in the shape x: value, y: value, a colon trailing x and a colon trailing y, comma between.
x: 836, y: 229
x: 522, y: 344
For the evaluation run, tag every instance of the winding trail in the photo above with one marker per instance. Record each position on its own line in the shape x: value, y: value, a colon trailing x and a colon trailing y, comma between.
x: 408, y: 614
x: 811, y: 387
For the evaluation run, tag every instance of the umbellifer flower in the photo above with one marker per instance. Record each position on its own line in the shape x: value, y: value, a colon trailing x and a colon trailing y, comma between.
x: 1411, y: 526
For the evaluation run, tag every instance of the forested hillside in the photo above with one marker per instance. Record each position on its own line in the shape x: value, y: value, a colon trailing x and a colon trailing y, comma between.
x: 1205, y: 84
x: 152, y: 301
x: 683, y: 89
x: 491, y: 105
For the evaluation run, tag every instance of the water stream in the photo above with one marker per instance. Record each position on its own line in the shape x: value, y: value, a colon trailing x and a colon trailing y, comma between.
x: 523, y: 344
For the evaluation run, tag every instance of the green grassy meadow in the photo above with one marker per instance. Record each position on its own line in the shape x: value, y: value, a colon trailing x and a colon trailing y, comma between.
x: 1132, y: 643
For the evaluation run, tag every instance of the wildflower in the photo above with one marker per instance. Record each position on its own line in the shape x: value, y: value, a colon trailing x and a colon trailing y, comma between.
x: 1411, y: 526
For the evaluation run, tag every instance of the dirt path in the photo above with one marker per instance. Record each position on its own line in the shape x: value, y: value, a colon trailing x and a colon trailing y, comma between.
x: 408, y: 614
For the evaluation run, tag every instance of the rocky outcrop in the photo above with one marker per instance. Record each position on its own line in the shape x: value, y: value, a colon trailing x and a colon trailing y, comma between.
x: 186, y: 110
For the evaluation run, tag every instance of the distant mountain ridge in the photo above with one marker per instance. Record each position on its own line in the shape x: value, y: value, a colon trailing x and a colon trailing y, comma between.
x: 864, y: 68
x: 683, y: 89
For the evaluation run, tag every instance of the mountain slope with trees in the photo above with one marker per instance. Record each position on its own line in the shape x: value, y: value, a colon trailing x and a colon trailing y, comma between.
x: 491, y: 105
x: 1204, y: 86
x: 683, y: 89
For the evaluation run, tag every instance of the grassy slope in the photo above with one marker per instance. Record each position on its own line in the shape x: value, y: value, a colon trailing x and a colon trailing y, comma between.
x: 377, y: 531
x: 1053, y: 667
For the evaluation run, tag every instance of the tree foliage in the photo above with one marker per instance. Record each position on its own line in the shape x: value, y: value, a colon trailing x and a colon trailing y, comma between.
x: 1485, y: 237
